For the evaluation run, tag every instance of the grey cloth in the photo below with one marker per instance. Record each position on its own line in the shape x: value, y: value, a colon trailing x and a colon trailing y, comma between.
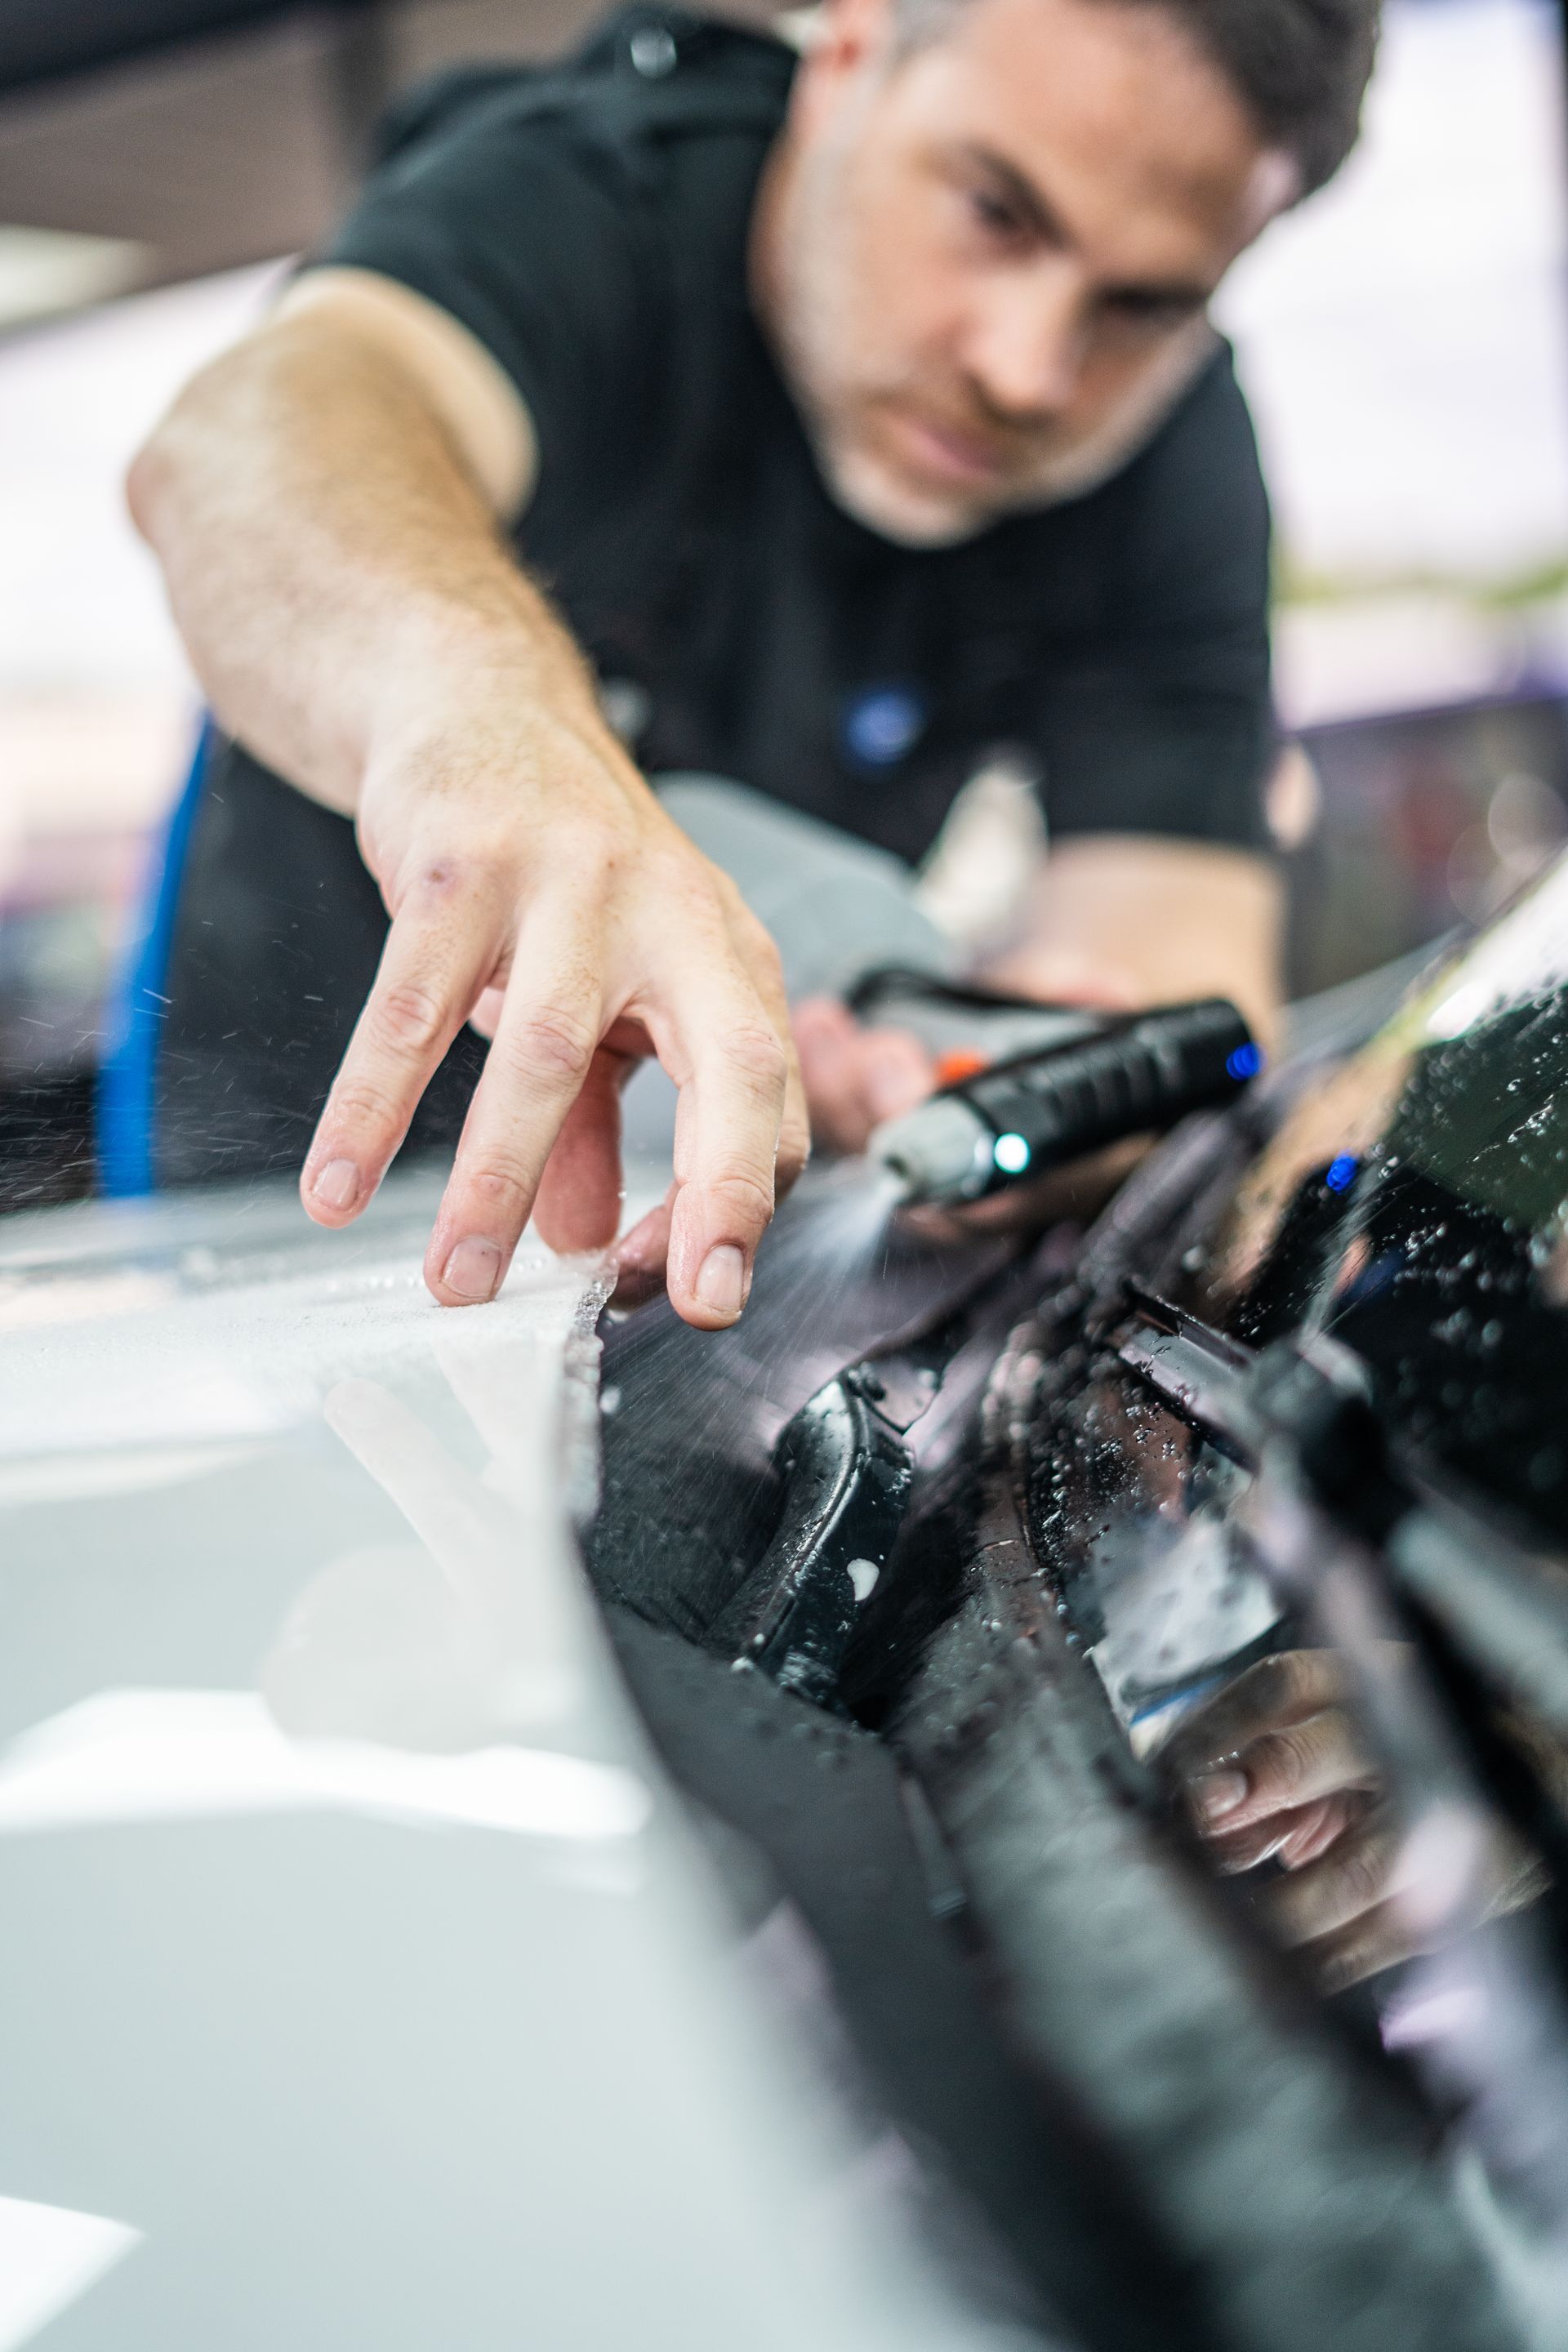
x: 835, y: 907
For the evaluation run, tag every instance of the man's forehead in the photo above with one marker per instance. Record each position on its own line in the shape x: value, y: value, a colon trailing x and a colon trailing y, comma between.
x: 1133, y: 140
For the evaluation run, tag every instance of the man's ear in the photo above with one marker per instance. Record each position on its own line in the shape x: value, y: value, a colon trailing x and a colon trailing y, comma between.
x: 842, y: 37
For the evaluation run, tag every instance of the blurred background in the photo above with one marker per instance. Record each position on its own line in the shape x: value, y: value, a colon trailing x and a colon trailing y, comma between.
x: 1403, y: 337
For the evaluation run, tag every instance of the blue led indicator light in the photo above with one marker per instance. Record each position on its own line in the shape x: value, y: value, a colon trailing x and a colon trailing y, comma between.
x: 1339, y: 1175
x: 881, y: 724
x: 1012, y: 1154
x: 1246, y: 1062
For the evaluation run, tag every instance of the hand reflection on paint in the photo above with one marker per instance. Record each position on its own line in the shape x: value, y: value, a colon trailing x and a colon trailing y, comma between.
x: 473, y: 1634
x: 1275, y: 1769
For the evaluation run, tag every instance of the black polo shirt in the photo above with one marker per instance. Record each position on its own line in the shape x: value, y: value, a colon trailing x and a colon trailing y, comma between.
x: 588, y: 222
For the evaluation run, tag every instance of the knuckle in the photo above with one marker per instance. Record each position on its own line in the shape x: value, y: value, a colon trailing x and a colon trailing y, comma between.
x: 361, y: 1106
x: 442, y: 882
x: 1284, y: 1759
x: 408, y: 1018
x: 599, y: 846
x: 742, y: 1199
x: 724, y: 888
x: 1281, y: 1674
x: 549, y: 1042
x: 501, y: 1189
x: 756, y: 1051
x: 1362, y: 1873
x: 758, y: 942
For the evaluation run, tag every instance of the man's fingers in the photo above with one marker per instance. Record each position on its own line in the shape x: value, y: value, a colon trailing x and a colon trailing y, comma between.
x: 898, y: 1072
x: 640, y: 1255
x: 827, y: 1038
x: 578, y: 1204
x: 1356, y: 1874
x: 1291, y: 1839
x: 764, y: 969
x: 1284, y: 1769
x: 1276, y: 1691
x: 432, y: 968
x: 733, y: 1068
x: 1313, y: 1831
x: 543, y: 1051
x: 1377, y: 1940
x: 855, y: 1077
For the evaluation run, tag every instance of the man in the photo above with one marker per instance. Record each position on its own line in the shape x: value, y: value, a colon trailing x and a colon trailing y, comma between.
x: 858, y: 411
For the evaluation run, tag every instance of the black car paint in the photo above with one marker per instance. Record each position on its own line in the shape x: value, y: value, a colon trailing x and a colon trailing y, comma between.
x: 1274, y: 2167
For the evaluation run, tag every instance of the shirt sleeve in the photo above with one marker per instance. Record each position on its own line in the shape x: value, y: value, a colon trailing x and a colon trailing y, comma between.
x: 527, y: 229
x: 1160, y: 719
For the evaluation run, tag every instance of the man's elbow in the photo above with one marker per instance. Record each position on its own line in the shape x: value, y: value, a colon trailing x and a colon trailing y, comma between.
x: 146, y: 482
x: 180, y: 452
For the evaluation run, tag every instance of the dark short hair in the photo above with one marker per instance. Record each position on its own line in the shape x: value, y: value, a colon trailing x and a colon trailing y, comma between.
x: 1301, y: 67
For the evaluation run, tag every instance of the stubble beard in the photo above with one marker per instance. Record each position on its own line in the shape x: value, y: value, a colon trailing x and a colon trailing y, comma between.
x: 819, y: 334
x: 818, y: 330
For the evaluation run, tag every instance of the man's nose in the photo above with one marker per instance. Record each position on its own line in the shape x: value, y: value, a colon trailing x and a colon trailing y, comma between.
x: 1025, y: 350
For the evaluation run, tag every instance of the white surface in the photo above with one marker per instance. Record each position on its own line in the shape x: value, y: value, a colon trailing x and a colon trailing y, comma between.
x: 182, y: 1755
x: 96, y: 702
x: 48, y: 2258
x: 361, y: 1957
x: 1403, y: 336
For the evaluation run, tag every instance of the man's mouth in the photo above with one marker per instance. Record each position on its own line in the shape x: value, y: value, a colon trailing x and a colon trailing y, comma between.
x: 945, y: 454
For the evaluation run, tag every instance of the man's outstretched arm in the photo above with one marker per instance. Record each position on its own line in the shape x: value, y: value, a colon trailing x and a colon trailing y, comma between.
x: 326, y: 501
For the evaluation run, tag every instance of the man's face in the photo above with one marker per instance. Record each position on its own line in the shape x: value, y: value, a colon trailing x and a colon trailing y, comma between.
x: 986, y: 263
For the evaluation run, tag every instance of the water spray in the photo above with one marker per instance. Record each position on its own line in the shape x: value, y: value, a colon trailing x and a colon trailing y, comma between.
x: 1014, y: 1120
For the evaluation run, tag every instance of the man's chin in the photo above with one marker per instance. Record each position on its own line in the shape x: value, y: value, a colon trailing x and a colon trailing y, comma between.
x: 898, y: 509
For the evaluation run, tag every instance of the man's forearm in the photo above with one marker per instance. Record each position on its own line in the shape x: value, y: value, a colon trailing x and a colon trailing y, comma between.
x: 357, y: 621
x: 1157, y: 921
x: 332, y: 563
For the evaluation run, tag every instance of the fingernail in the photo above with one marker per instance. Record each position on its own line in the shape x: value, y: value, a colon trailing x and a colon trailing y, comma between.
x: 1218, y: 1793
x: 722, y: 1283
x: 473, y: 1271
x: 337, y: 1185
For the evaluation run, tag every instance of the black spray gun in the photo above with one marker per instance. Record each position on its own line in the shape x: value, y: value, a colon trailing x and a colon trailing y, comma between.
x: 1082, y: 1081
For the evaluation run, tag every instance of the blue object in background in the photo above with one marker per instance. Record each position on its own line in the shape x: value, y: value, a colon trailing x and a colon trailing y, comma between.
x: 881, y: 724
x: 1245, y: 1063
x: 123, y: 1112
x: 1339, y: 1175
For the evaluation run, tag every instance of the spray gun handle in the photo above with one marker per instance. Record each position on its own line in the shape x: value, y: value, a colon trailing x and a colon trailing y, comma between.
x: 1129, y: 1077
x: 1135, y: 1075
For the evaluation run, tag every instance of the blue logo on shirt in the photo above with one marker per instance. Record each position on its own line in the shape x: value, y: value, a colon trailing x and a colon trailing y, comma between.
x: 881, y: 724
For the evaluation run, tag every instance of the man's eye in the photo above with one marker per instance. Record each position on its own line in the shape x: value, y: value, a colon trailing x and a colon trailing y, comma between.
x: 995, y: 216
x: 1148, y: 314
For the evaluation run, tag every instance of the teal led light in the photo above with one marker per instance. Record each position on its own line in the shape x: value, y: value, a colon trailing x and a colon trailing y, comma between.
x: 1012, y: 1154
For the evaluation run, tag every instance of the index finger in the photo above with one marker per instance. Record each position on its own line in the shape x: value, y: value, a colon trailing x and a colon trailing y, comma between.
x: 549, y: 1027
x: 439, y: 950
x: 1281, y: 1770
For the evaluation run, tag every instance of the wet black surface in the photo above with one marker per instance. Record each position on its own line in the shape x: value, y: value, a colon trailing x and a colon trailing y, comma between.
x: 690, y: 1494
x: 1434, y: 1252
x: 1377, y: 1255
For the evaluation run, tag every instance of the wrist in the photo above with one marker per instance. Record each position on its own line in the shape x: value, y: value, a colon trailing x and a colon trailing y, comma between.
x: 455, y: 688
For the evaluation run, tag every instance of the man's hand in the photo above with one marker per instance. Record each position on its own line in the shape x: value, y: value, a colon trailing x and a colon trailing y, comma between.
x: 1274, y: 1770
x: 855, y: 1077
x: 325, y: 501
x: 533, y: 882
